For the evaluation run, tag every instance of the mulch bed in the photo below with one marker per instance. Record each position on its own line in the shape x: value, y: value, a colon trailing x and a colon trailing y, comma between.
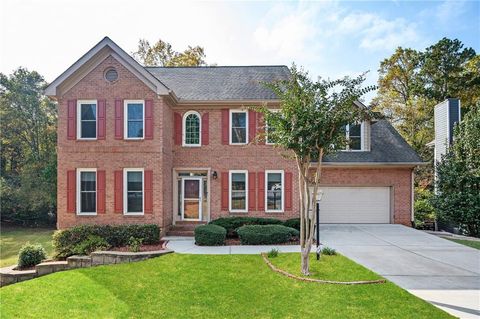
x: 159, y: 246
x: 236, y: 242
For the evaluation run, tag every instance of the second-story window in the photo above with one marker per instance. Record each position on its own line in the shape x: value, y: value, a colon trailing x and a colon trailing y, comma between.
x: 191, y: 129
x: 238, y: 127
x: 134, y: 119
x: 87, y: 119
x: 354, y: 136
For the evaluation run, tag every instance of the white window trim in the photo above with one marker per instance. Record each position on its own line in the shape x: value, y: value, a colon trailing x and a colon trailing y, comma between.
x: 184, y: 127
x: 78, y: 203
x: 125, y: 119
x: 362, y: 138
x: 266, y: 129
x: 125, y: 191
x: 230, y: 191
x: 79, y: 120
x: 230, y: 127
x: 283, y: 191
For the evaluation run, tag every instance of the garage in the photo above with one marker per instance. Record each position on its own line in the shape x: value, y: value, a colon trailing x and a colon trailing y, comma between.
x: 368, y: 205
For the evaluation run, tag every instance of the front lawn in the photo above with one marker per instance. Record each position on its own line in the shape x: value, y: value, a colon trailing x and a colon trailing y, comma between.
x: 471, y: 243
x: 211, y: 286
x: 13, y: 238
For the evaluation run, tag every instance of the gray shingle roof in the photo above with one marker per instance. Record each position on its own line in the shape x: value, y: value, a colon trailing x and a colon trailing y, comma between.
x: 387, y: 146
x: 220, y: 82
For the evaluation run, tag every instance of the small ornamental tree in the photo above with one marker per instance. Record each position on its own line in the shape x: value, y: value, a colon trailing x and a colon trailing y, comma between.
x: 457, y: 197
x: 309, y: 125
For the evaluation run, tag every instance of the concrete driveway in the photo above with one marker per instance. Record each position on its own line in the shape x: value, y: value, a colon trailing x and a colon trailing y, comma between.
x: 442, y: 272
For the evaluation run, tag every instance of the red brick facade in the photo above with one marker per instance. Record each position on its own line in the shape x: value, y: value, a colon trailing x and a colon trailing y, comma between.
x: 162, y: 156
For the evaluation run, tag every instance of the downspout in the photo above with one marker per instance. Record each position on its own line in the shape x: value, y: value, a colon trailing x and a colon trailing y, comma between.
x: 412, y: 198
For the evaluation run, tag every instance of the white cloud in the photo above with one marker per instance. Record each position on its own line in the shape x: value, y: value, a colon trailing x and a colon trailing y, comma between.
x: 450, y: 9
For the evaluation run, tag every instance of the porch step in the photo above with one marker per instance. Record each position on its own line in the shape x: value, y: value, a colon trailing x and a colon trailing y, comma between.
x: 180, y: 233
x: 184, y: 228
x: 189, y: 222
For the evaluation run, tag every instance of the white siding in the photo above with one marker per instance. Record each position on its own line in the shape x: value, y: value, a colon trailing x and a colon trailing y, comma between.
x: 441, y: 129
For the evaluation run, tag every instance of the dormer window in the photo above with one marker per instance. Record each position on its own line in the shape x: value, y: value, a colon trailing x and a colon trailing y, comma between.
x: 191, y: 129
x: 354, y: 133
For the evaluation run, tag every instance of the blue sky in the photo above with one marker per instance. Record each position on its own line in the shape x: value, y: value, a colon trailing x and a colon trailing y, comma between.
x: 329, y: 38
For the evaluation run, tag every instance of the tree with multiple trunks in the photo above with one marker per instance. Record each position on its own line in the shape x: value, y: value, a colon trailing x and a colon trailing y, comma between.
x: 310, y: 124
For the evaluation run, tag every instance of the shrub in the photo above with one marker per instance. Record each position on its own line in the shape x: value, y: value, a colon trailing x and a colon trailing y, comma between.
x: 266, y: 234
x: 232, y: 223
x: 210, y: 235
x: 64, y: 241
x: 134, y: 244
x: 91, y: 244
x: 293, y: 223
x: 31, y: 255
x: 273, y: 253
x: 329, y: 251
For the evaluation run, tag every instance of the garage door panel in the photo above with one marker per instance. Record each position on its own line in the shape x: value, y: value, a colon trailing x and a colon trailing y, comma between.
x: 355, y: 205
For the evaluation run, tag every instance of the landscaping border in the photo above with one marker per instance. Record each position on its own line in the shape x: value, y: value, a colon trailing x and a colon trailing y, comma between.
x: 285, y: 273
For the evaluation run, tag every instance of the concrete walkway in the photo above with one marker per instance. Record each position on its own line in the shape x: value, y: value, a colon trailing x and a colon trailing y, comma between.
x: 439, y: 271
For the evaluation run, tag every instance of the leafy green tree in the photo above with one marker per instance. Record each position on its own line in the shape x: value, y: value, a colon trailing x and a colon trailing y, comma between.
x: 162, y: 54
x: 28, y: 143
x: 310, y: 124
x: 458, y: 177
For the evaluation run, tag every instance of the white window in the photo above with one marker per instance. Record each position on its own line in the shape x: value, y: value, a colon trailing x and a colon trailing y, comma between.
x: 134, y: 115
x: 238, y: 191
x: 238, y: 127
x: 354, y: 133
x: 87, y: 191
x: 274, y: 194
x: 87, y: 119
x: 192, y: 128
x: 133, y: 191
x: 268, y: 137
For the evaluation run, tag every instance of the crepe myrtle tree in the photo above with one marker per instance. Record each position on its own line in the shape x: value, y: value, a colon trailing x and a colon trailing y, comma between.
x: 310, y: 124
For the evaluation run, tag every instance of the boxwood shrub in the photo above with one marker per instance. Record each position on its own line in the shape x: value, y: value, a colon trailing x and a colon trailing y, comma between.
x: 210, y: 235
x: 66, y: 240
x: 232, y: 223
x: 266, y: 234
x: 293, y: 223
x: 31, y: 255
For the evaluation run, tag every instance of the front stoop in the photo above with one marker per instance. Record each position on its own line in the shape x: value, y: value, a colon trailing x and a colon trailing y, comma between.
x: 9, y: 275
x: 184, y: 228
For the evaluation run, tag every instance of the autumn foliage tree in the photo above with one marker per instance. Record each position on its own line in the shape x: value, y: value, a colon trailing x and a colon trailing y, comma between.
x: 309, y: 125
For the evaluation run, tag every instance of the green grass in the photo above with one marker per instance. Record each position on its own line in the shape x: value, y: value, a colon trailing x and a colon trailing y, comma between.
x: 210, y: 286
x: 13, y: 238
x: 470, y: 243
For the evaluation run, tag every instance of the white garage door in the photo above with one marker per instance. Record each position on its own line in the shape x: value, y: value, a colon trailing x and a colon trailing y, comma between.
x: 355, y: 205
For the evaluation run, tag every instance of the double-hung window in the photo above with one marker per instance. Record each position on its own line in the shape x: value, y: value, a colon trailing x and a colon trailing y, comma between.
x: 274, y: 185
x: 191, y: 129
x: 354, y: 136
x: 133, y: 188
x: 87, y: 191
x: 87, y: 119
x: 238, y: 191
x: 134, y: 119
x: 238, y: 127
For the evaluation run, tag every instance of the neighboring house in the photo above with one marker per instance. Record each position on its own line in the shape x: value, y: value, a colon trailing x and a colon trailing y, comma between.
x: 167, y: 145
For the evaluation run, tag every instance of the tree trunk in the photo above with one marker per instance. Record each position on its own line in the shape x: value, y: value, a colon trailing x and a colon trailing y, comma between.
x: 306, y: 260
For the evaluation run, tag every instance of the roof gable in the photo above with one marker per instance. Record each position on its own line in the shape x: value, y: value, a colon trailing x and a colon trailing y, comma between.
x: 105, y: 48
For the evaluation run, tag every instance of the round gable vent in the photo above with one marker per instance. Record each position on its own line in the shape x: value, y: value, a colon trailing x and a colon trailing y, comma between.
x: 111, y: 75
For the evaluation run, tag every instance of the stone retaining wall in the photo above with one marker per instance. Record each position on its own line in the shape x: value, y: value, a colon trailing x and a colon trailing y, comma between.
x: 9, y: 275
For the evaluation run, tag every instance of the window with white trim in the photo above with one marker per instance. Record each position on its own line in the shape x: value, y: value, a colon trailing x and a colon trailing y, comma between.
x: 87, y: 119
x: 191, y: 129
x: 354, y: 134
x: 238, y: 191
x: 134, y: 116
x: 133, y: 191
x: 87, y: 191
x: 238, y: 127
x: 274, y: 194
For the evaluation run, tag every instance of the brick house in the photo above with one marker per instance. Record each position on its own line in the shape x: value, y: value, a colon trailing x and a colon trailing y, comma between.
x: 173, y: 145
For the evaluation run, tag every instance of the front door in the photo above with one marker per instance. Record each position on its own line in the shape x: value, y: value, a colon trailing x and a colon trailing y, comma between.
x: 192, y: 198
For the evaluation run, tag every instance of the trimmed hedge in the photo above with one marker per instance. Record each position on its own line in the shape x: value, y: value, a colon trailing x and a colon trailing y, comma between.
x: 66, y: 240
x: 266, y: 234
x: 210, y: 235
x: 293, y: 223
x: 232, y: 223
x: 31, y: 255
